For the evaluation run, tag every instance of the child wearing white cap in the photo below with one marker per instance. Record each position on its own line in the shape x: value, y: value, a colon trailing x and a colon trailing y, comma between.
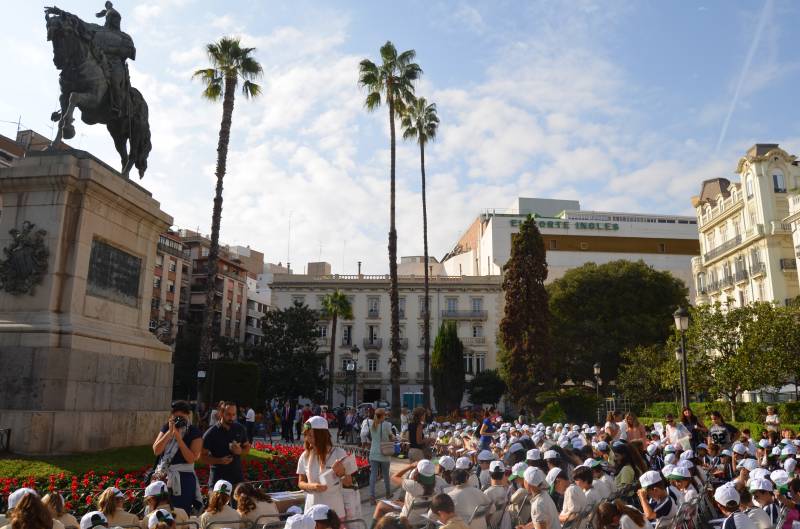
x: 93, y: 519
x: 156, y: 496
x: 418, y: 480
x: 110, y: 503
x: 498, y: 489
x: 654, y: 497
x: 24, y: 504
x: 544, y: 514
x: 467, y: 498
x: 218, y: 509
x: 727, y: 499
x: 160, y: 519
x: 759, y: 517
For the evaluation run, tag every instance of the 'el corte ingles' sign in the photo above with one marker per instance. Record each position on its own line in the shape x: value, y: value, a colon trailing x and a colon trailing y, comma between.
x: 570, y: 224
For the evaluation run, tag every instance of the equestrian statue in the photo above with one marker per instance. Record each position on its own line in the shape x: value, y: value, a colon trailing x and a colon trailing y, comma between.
x: 94, y: 78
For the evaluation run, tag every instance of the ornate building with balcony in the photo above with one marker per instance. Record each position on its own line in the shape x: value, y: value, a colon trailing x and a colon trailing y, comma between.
x: 169, y: 295
x: 474, y: 303
x: 746, y: 248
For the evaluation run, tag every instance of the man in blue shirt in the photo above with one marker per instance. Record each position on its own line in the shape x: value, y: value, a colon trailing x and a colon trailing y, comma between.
x: 223, y: 445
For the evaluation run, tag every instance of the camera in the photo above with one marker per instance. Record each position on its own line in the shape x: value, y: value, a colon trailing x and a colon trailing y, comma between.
x: 180, y: 422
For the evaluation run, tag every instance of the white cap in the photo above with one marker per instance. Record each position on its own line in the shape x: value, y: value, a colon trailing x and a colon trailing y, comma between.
x: 739, y: 448
x: 726, y: 495
x: 651, y: 477
x: 117, y: 493
x: 702, y: 445
x: 159, y: 515
x: 15, y: 497
x: 298, y: 521
x: 485, y: 455
x: 518, y: 470
x: 550, y: 454
x: 789, y: 465
x: 779, y: 477
x: 679, y: 472
x: 670, y: 458
x: 760, y: 484
x: 534, y: 476
x: 294, y: 509
x: 651, y: 448
x: 776, y: 451
x: 93, y: 519
x: 789, y: 450
x: 319, y: 512
x: 224, y: 487
x: 317, y: 423
x: 533, y: 455
x: 497, y: 466
x: 759, y: 473
x: 689, y: 454
x: 447, y: 463
x: 667, y: 469
x: 156, y: 488
x: 552, y: 475
x: 426, y: 468
x: 764, y: 443
x: 748, y: 463
x: 516, y: 447
x: 602, y: 446
x: 463, y: 463
x: 591, y: 463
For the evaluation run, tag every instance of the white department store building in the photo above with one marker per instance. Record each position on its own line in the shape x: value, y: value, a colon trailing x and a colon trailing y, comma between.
x: 746, y: 231
x: 573, y: 237
x: 474, y: 303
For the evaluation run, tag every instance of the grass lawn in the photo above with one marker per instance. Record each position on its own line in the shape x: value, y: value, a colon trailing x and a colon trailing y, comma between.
x: 130, y: 458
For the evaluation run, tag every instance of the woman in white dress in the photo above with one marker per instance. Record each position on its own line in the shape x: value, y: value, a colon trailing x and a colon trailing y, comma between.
x: 320, y: 469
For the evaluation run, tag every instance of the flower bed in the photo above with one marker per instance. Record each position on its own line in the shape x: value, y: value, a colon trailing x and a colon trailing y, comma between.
x: 274, y: 470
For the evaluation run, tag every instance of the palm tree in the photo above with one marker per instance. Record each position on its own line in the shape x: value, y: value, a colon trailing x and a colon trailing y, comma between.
x: 230, y: 64
x: 392, y: 81
x: 420, y: 123
x: 335, y: 304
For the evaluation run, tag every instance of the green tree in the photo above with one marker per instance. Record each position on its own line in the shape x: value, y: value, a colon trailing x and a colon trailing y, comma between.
x: 230, y: 64
x: 288, y: 356
x: 335, y: 305
x: 644, y: 372
x: 420, y: 123
x: 486, y: 387
x: 392, y: 81
x: 599, y: 311
x: 447, y: 368
x: 526, y: 364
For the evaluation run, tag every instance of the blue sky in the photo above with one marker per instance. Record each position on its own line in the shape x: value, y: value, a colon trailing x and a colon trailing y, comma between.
x: 621, y: 105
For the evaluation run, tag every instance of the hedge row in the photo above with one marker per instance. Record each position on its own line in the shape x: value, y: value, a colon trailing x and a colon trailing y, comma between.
x: 754, y: 427
x: 753, y: 412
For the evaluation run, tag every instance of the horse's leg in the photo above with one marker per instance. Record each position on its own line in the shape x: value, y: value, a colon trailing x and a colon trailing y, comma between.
x: 118, y: 133
x: 65, y: 128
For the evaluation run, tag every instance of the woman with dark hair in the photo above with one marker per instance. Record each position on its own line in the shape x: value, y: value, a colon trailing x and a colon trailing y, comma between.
x: 695, y: 426
x: 55, y: 503
x: 253, y: 503
x: 417, y: 443
x: 629, y: 465
x: 320, y: 469
x: 636, y: 431
x: 178, y: 446
x: 617, y: 515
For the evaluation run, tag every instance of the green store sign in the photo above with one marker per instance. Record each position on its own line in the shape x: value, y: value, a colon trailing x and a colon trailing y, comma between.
x: 567, y: 224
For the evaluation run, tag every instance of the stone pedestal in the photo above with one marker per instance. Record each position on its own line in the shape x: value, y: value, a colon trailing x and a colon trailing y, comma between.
x: 79, y: 370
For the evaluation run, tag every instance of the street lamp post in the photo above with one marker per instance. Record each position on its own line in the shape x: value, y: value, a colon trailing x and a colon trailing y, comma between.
x: 596, y: 371
x: 682, y: 324
x: 354, y: 351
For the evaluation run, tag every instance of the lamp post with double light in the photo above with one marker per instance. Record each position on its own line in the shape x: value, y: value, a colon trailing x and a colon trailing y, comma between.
x: 596, y: 371
x: 681, y: 317
x: 354, y: 363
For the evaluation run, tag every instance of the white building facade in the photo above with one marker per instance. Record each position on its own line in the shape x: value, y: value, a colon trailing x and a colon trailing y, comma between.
x: 474, y: 303
x: 746, y: 232
x: 573, y: 237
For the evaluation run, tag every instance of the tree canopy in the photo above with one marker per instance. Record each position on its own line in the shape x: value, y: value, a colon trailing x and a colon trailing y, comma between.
x: 447, y: 368
x: 599, y: 311
x: 486, y: 387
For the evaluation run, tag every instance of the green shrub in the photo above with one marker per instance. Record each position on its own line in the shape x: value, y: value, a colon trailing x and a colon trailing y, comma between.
x: 789, y: 412
x: 553, y: 412
x: 754, y: 412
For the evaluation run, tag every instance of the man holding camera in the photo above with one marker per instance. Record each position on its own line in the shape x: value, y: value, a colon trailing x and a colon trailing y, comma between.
x: 178, y: 446
x: 224, y: 444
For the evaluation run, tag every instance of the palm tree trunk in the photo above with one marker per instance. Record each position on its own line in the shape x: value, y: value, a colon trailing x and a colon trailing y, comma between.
x: 332, y: 359
x: 426, y: 331
x: 207, y: 331
x: 393, y: 294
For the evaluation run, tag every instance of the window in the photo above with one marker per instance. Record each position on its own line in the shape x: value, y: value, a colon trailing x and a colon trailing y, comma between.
x: 469, y: 359
x: 477, y: 304
x: 156, y: 282
x: 344, y: 362
x: 584, y: 246
x: 170, y: 286
x: 159, y: 260
x: 155, y: 303
x: 477, y: 331
x: 322, y: 331
x: 373, y: 306
x: 401, y: 304
x: 172, y: 265
x: 204, y: 252
x: 480, y: 362
x: 452, y: 304
x: 552, y: 244
x: 662, y: 248
x: 372, y: 365
x: 778, y: 181
x: 401, y: 331
x: 422, y: 305
x: 347, y: 335
x: 372, y: 333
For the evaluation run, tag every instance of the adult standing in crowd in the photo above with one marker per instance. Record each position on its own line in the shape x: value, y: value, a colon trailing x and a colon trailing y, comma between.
x: 697, y: 430
x: 224, y: 444
x: 417, y: 442
x: 250, y: 422
x: 287, y: 419
x: 487, y: 431
x: 720, y: 432
x: 320, y: 469
x: 380, y: 432
x: 178, y: 446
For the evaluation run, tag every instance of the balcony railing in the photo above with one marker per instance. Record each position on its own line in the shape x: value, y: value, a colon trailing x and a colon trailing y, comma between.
x: 741, y: 275
x: 373, y: 313
x: 373, y: 375
x: 346, y: 343
x: 374, y: 344
x: 788, y: 264
x: 780, y: 227
x: 323, y: 340
x: 403, y: 344
x: 464, y: 314
x: 722, y: 248
x: 474, y: 340
x: 758, y: 269
x: 727, y: 282
x: 249, y: 329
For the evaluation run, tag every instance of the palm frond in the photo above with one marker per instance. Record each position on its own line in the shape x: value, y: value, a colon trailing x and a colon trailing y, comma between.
x: 229, y: 61
x: 388, y: 53
x: 213, y: 91
x: 250, y: 89
x: 250, y: 68
x: 405, y: 58
x: 373, y: 101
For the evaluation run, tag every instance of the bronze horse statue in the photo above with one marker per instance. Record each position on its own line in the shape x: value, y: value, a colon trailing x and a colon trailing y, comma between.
x: 94, y: 78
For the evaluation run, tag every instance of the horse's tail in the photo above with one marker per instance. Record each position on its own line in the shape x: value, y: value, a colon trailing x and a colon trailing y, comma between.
x: 139, y: 132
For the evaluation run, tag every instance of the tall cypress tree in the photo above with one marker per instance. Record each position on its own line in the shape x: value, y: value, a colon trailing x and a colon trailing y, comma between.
x: 447, y: 369
x: 526, y: 364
